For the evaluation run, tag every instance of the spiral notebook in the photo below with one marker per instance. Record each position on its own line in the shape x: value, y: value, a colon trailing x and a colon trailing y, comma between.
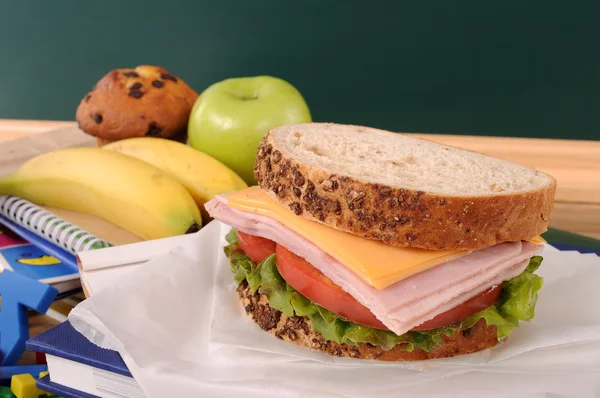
x: 42, y: 245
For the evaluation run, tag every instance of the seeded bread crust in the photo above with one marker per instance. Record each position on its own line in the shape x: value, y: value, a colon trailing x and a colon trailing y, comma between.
x: 397, y: 216
x: 145, y: 101
x: 298, y: 330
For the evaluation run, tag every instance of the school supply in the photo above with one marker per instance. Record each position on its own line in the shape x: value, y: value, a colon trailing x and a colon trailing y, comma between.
x: 78, y: 366
x: 48, y: 226
x: 19, y: 294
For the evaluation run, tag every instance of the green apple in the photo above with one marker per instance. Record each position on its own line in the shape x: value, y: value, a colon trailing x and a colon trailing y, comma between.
x: 230, y: 118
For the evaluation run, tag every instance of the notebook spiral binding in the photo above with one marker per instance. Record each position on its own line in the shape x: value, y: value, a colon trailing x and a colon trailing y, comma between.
x: 49, y: 226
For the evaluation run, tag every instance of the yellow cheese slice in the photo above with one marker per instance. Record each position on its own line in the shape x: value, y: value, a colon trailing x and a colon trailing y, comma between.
x: 377, y: 263
x: 537, y: 239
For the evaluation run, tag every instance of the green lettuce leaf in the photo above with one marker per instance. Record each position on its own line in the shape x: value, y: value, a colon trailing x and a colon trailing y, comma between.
x: 302, y: 305
x: 232, y: 237
x: 519, y: 295
x: 517, y: 303
x: 241, y: 266
x: 504, y: 323
x: 271, y: 279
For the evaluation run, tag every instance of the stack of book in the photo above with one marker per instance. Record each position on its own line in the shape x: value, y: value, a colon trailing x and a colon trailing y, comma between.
x: 42, y: 246
x: 79, y: 369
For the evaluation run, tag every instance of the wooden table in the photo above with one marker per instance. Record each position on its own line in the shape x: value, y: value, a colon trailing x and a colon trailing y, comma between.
x: 575, y: 165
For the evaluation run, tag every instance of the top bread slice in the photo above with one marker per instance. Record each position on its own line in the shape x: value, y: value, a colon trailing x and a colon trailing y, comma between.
x: 401, y: 190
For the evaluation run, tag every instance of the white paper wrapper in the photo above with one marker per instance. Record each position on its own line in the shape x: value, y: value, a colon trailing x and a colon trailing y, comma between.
x: 182, y: 331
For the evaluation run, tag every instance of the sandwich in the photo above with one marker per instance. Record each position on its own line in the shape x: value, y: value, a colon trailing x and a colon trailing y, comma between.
x: 363, y: 243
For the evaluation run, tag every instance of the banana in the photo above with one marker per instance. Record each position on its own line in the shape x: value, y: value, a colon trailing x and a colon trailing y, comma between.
x: 202, y: 175
x: 40, y: 261
x: 122, y: 190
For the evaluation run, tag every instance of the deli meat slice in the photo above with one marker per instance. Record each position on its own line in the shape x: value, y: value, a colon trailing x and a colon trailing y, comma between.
x: 409, y: 302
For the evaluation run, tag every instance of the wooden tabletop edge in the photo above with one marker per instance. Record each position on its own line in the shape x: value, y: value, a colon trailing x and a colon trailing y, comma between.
x: 33, y: 126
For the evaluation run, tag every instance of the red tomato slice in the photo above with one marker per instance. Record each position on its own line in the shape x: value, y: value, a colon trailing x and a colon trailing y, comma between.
x: 478, y: 303
x: 320, y: 289
x: 255, y: 247
x: 311, y: 282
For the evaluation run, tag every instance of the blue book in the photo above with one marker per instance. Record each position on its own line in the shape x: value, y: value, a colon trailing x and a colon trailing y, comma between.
x: 48, y: 245
x: 42, y: 244
x: 51, y: 233
x: 77, y: 366
x: 46, y: 384
x: 582, y: 250
x: 31, y: 260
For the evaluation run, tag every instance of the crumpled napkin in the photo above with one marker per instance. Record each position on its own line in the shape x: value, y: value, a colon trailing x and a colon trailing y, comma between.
x: 180, y: 328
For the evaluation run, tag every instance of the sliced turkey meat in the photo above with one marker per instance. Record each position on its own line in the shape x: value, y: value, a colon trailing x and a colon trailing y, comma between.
x: 409, y: 302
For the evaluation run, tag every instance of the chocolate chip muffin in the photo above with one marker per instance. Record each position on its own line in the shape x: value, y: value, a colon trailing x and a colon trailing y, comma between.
x: 145, y: 101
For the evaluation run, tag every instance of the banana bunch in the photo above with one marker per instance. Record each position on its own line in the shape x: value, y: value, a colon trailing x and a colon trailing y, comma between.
x: 151, y: 187
x: 202, y: 175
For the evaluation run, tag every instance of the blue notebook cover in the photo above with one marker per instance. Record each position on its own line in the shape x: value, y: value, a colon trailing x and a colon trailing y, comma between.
x: 65, y: 342
x: 29, y: 260
x: 45, y: 384
x: 45, y: 246
x: 582, y: 250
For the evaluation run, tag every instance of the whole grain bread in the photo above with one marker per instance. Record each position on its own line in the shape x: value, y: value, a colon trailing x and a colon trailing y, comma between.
x: 144, y: 101
x: 298, y: 330
x: 401, y: 190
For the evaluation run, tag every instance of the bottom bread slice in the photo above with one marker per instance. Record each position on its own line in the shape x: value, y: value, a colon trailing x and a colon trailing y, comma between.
x: 298, y: 330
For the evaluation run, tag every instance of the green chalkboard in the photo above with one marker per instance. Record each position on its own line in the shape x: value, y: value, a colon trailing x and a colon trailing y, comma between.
x: 515, y: 68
